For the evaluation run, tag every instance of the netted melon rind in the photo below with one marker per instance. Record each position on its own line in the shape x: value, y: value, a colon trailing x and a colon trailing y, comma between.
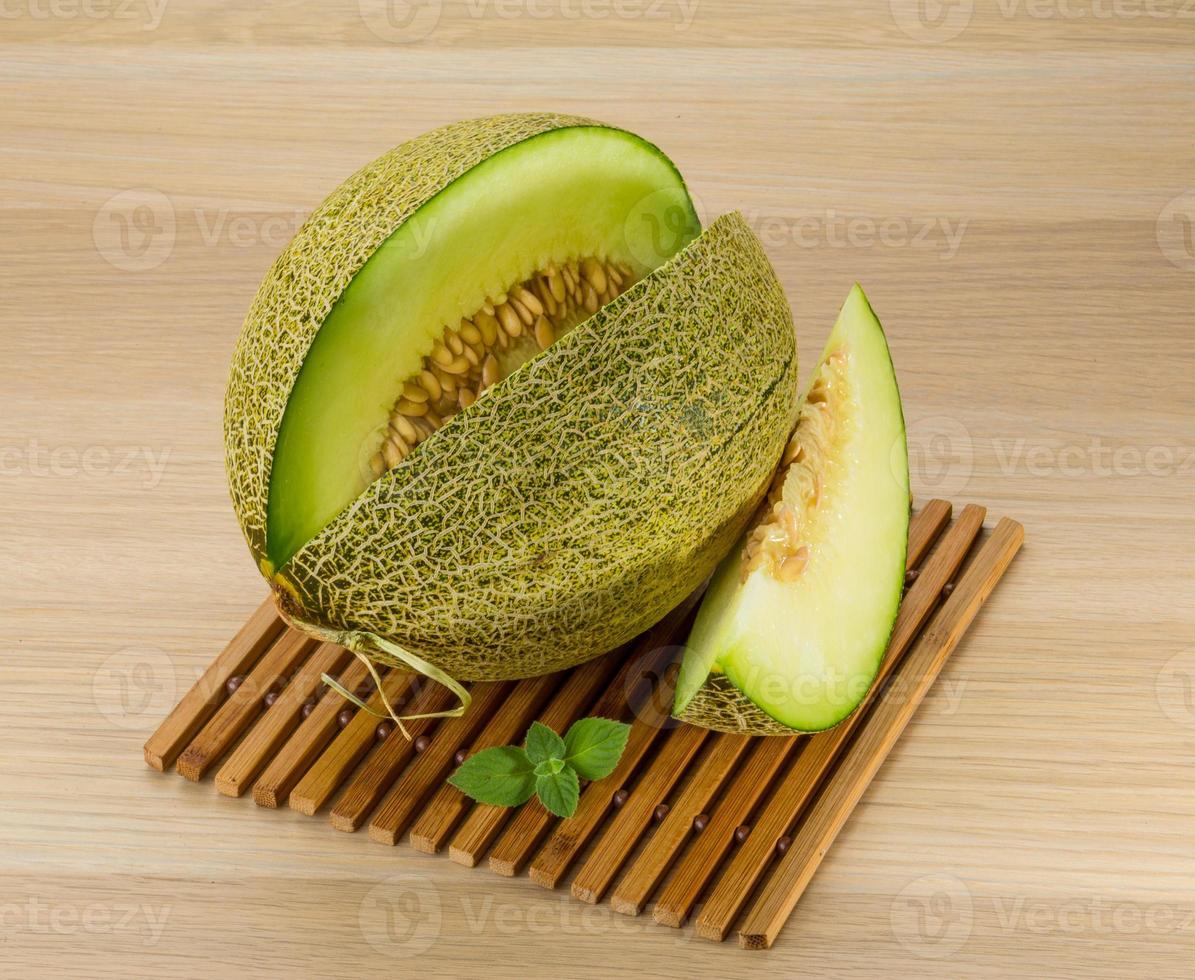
x: 722, y: 707
x: 309, y: 276
x: 587, y: 494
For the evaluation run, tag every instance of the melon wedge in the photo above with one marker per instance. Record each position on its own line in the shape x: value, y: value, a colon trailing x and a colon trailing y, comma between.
x: 557, y: 196
x: 798, y: 616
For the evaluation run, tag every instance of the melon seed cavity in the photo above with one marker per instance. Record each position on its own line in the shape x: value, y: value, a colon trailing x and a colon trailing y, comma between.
x: 482, y: 349
x: 775, y: 542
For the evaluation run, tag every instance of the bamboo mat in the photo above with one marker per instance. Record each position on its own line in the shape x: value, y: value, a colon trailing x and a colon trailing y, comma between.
x: 728, y: 828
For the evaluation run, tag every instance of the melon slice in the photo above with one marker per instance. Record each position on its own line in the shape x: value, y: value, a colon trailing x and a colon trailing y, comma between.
x: 798, y: 616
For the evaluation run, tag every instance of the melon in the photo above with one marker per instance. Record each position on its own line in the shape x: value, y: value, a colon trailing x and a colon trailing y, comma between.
x: 502, y: 402
x: 793, y: 628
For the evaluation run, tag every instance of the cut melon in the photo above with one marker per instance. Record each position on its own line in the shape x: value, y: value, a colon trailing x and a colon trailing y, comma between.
x: 798, y: 616
x: 558, y: 208
x: 502, y: 402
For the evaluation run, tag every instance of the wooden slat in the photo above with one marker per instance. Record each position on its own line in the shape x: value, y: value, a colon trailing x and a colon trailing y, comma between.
x: 348, y: 748
x: 305, y: 745
x: 795, y: 790
x: 700, y: 861
x: 527, y: 828
x: 282, y: 718
x: 701, y: 784
x: 924, y: 528
x: 206, y: 695
x: 632, y: 821
x: 879, y: 733
x: 508, y: 725
x: 238, y: 712
x: 430, y: 768
x: 485, y: 822
x: 380, y: 770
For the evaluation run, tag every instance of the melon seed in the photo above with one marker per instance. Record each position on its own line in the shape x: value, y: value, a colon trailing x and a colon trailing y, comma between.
x: 430, y: 383
x: 522, y: 311
x: 488, y: 326
x: 402, y: 425
x: 391, y: 453
x: 490, y: 372
x: 592, y: 270
x: 544, y: 335
x: 407, y: 407
x: 529, y: 300
x: 510, y: 321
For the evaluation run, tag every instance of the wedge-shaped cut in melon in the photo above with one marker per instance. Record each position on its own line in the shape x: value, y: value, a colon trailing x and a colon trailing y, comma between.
x: 502, y: 401
x: 566, y: 208
x: 797, y: 619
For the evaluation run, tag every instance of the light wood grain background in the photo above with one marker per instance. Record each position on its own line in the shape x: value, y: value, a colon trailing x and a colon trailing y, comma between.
x: 1014, y: 184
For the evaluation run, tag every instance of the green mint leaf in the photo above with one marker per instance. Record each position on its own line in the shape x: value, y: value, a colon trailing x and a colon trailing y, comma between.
x: 549, y: 767
x: 543, y: 744
x: 559, y: 792
x: 503, y: 776
x: 593, y: 746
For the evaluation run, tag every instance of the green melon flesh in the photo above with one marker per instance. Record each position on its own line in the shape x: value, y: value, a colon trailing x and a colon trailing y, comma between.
x: 779, y: 647
x: 558, y: 195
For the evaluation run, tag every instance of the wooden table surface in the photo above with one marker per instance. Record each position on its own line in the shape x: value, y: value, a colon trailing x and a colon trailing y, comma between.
x: 1014, y: 184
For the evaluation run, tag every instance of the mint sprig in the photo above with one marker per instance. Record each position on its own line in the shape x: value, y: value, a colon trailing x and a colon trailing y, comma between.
x: 547, y: 765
